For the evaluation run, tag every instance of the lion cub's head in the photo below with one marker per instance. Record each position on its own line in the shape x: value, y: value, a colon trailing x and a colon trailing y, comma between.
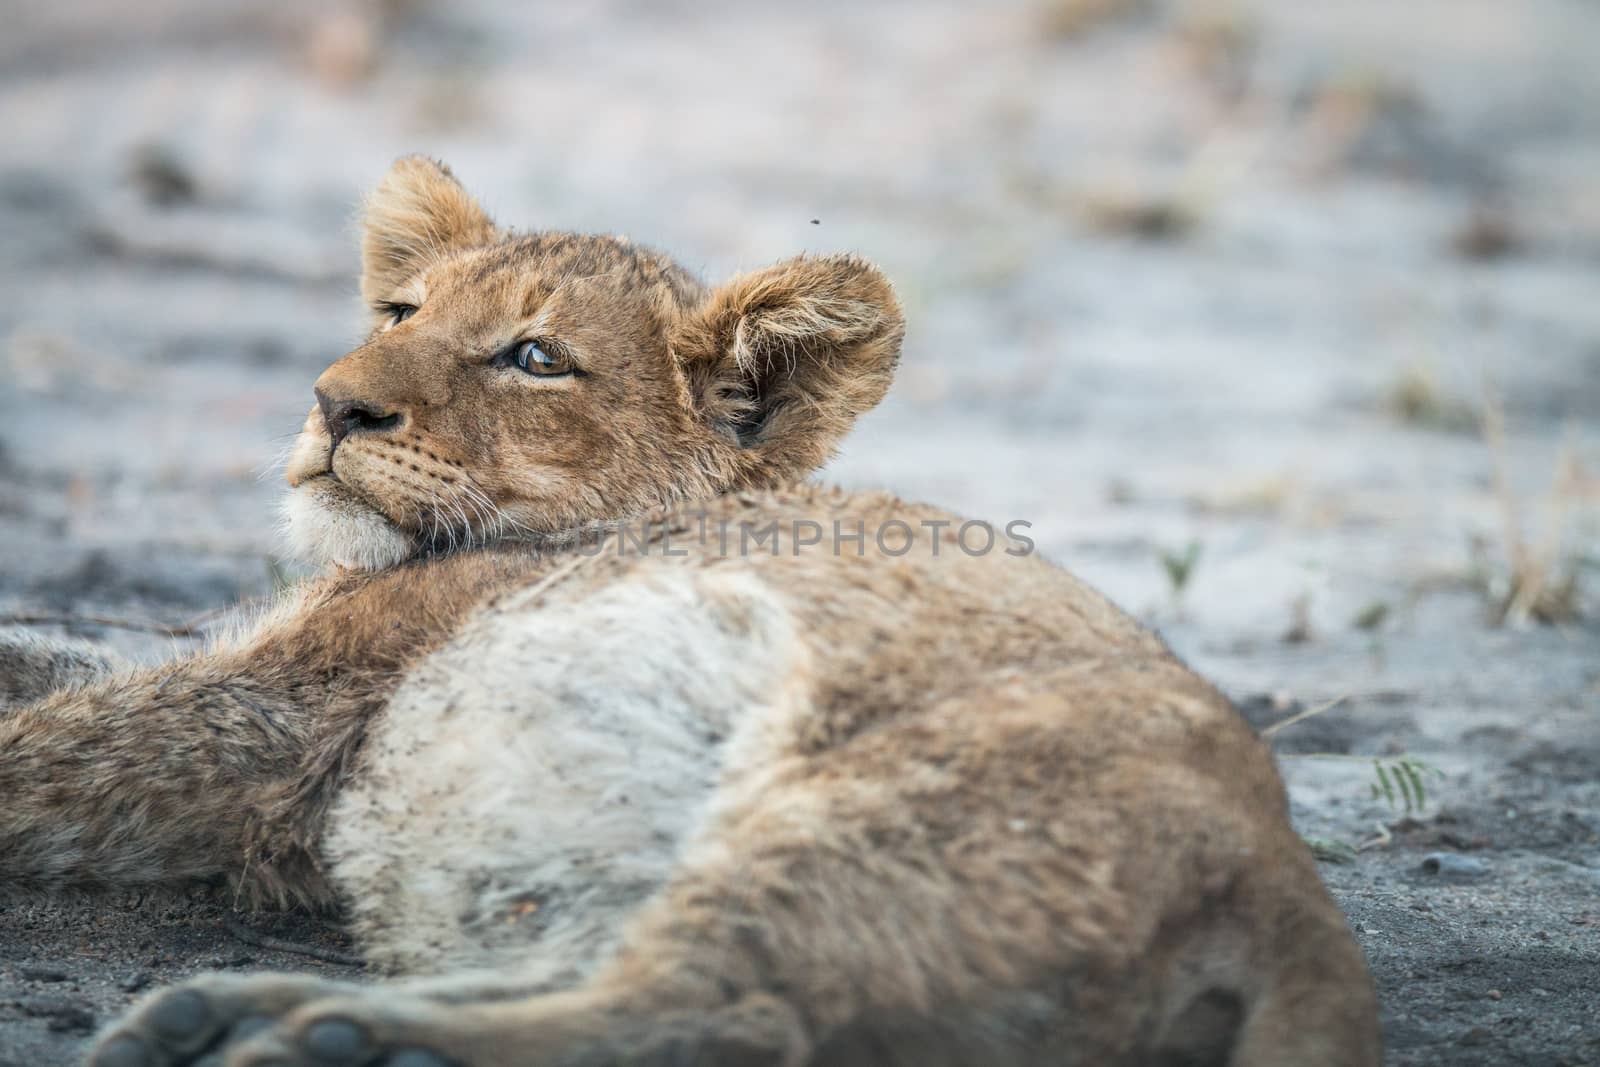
x: 523, y: 385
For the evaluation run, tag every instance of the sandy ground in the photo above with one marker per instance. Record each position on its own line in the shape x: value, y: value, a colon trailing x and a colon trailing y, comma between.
x: 1238, y: 276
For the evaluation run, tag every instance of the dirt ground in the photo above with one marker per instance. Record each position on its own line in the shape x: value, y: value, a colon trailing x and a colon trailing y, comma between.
x: 1278, y: 321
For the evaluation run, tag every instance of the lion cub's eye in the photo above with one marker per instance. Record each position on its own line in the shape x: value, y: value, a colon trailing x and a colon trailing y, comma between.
x: 397, y: 313
x: 541, y: 361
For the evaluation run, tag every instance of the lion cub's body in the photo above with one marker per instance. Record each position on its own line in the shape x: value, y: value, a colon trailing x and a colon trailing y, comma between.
x: 549, y: 768
x: 664, y: 799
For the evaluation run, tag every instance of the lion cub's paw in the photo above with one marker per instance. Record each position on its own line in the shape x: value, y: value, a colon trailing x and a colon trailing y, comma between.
x: 197, y: 1021
x: 380, y: 1029
x: 369, y: 1028
x: 295, y: 1021
x: 286, y: 1021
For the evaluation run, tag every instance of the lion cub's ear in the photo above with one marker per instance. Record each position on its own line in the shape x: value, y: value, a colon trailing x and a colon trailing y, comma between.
x: 417, y: 213
x: 783, y: 360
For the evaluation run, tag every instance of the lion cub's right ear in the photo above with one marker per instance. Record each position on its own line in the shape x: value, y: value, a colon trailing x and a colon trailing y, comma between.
x: 418, y: 213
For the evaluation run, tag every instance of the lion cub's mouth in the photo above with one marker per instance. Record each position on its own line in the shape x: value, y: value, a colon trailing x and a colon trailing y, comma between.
x: 312, y: 453
x: 327, y: 523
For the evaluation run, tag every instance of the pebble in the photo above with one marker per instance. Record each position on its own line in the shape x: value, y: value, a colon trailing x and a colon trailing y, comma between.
x: 39, y: 973
x: 63, y: 1016
x: 134, y: 982
x: 1452, y: 866
x: 237, y: 959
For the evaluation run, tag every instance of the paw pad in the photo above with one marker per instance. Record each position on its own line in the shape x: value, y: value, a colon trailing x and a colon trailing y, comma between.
x: 124, y: 1051
x: 181, y: 1017
x: 416, y: 1057
x: 337, y: 1041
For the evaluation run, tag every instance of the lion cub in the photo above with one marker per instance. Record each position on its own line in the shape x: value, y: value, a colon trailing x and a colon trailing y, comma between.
x: 630, y: 754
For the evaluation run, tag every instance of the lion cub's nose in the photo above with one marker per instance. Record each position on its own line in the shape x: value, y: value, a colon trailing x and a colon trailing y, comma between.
x: 345, y: 417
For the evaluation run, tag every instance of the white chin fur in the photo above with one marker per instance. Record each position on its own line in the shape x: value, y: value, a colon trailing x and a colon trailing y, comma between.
x: 326, y: 526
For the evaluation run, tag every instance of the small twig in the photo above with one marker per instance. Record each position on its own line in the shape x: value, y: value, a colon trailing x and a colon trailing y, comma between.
x: 1383, y: 840
x: 274, y: 944
x: 1546, y: 558
x: 1303, y: 715
x: 1494, y: 436
x: 199, y: 622
x: 141, y: 625
x: 1336, y: 756
x: 555, y: 577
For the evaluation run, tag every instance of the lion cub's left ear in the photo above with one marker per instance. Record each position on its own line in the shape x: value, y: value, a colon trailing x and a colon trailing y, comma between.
x: 418, y: 212
x: 783, y: 360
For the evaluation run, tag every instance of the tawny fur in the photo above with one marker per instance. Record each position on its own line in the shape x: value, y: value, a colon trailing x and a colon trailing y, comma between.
x: 641, y: 798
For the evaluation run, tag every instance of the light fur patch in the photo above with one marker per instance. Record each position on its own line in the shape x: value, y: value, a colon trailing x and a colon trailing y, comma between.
x: 534, y: 782
x: 325, y: 526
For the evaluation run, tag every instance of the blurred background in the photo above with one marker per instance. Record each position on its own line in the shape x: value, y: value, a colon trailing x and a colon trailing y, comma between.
x: 1280, y: 322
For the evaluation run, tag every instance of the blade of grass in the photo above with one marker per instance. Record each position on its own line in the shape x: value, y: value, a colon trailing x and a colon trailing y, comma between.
x: 1301, y: 716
